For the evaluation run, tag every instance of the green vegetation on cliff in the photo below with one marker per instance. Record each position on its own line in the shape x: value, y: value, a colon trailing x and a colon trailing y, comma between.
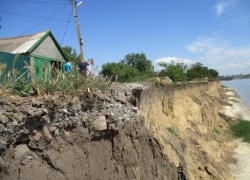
x: 242, y: 130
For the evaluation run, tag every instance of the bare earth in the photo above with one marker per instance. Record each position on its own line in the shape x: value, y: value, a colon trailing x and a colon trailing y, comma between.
x: 241, y: 169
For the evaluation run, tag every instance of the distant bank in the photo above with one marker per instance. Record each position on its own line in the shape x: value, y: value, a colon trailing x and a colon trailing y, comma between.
x: 242, y: 87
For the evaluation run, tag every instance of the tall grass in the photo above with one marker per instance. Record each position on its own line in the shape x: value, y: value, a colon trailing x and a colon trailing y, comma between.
x: 12, y: 80
x: 48, y: 81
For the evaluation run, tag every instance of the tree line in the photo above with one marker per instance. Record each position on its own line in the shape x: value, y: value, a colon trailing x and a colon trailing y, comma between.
x: 137, y: 67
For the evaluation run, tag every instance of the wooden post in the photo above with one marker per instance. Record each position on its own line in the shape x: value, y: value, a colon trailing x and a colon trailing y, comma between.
x: 77, y: 28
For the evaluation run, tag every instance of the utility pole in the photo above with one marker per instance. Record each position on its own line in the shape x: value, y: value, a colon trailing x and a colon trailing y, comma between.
x: 77, y: 28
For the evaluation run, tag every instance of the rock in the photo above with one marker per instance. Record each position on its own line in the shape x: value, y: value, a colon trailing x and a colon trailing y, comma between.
x: 21, y: 151
x: 112, y: 114
x: 33, y: 132
x: 135, y: 109
x: 25, y: 131
x: 47, y: 134
x: 1, y: 162
x: 29, y: 157
x: 52, y: 129
x: 65, y: 111
x: 2, y: 144
x: 56, y: 124
x: 4, y: 119
x: 38, y: 136
x: 14, y: 123
x: 100, y: 123
x: 1, y: 128
x: 45, y: 111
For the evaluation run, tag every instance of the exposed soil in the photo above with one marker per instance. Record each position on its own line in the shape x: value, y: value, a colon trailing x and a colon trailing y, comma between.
x: 92, y: 136
x: 132, y: 131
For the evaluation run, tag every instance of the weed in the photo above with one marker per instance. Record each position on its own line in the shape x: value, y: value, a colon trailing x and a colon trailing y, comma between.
x: 224, y: 86
x: 234, y: 100
x: 47, y: 82
x: 220, y: 126
x: 171, y: 130
x: 197, y: 99
x: 216, y: 131
x: 242, y: 130
x: 222, y: 116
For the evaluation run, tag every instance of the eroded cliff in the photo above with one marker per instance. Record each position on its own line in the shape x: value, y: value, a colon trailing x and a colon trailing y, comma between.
x: 176, y: 134
x: 92, y: 136
x: 185, y: 119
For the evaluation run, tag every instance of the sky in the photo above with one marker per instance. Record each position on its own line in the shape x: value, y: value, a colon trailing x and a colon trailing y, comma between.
x: 215, y: 33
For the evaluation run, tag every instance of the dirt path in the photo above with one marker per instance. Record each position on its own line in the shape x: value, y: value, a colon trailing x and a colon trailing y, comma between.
x: 241, y: 169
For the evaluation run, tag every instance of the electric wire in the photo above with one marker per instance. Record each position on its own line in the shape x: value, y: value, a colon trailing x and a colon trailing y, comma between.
x: 47, y: 2
x: 44, y: 20
x: 67, y: 26
x: 33, y: 16
x: 71, y: 36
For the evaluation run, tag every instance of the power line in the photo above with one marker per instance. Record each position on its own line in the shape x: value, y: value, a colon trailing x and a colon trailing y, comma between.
x: 47, y: 2
x: 67, y: 26
x: 71, y: 36
x: 43, y: 21
x: 33, y: 16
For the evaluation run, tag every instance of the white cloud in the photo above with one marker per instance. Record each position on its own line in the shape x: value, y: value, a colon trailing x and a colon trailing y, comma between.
x: 237, y: 65
x: 220, y: 8
x: 169, y: 60
x: 219, y: 53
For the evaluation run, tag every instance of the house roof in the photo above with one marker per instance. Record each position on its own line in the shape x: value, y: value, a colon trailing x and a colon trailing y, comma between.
x: 26, y: 44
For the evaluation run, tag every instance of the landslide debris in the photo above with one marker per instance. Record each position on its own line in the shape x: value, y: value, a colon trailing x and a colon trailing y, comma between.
x: 90, y: 136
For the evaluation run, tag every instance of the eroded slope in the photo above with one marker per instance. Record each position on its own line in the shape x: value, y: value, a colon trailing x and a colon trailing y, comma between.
x: 185, y: 120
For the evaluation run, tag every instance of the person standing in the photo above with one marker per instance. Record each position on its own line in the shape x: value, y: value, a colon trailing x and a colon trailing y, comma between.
x: 87, y: 67
x: 67, y: 66
x: 83, y: 68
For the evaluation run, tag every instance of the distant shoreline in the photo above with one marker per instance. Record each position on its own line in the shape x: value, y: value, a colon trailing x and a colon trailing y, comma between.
x: 241, y: 87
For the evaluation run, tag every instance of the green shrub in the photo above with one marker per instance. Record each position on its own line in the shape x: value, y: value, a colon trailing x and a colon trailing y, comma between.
x: 242, y: 130
x: 220, y: 126
x: 216, y: 131
x: 235, y: 101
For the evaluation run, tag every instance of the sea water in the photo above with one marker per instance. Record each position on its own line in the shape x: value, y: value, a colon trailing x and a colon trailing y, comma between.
x: 242, y: 88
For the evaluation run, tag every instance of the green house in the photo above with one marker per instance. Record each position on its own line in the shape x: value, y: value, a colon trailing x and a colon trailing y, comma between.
x: 39, y: 50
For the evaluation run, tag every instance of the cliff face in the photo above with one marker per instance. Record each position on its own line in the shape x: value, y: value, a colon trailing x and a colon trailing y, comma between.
x: 92, y: 136
x: 190, y: 111
x: 103, y: 136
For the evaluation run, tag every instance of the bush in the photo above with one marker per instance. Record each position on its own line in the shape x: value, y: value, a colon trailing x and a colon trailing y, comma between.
x: 242, y: 130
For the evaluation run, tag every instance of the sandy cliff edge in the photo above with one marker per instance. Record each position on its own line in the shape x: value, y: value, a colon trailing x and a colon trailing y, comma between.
x: 240, y: 169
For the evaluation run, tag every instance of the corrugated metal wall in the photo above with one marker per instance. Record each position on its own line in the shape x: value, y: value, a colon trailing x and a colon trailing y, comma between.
x: 8, y: 59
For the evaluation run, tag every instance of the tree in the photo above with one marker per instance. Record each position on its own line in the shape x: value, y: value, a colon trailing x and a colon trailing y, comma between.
x: 124, y: 73
x: 140, y: 62
x: 197, y: 70
x: 214, y: 74
x: 174, y: 71
x: 72, y: 54
x: 132, y: 67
